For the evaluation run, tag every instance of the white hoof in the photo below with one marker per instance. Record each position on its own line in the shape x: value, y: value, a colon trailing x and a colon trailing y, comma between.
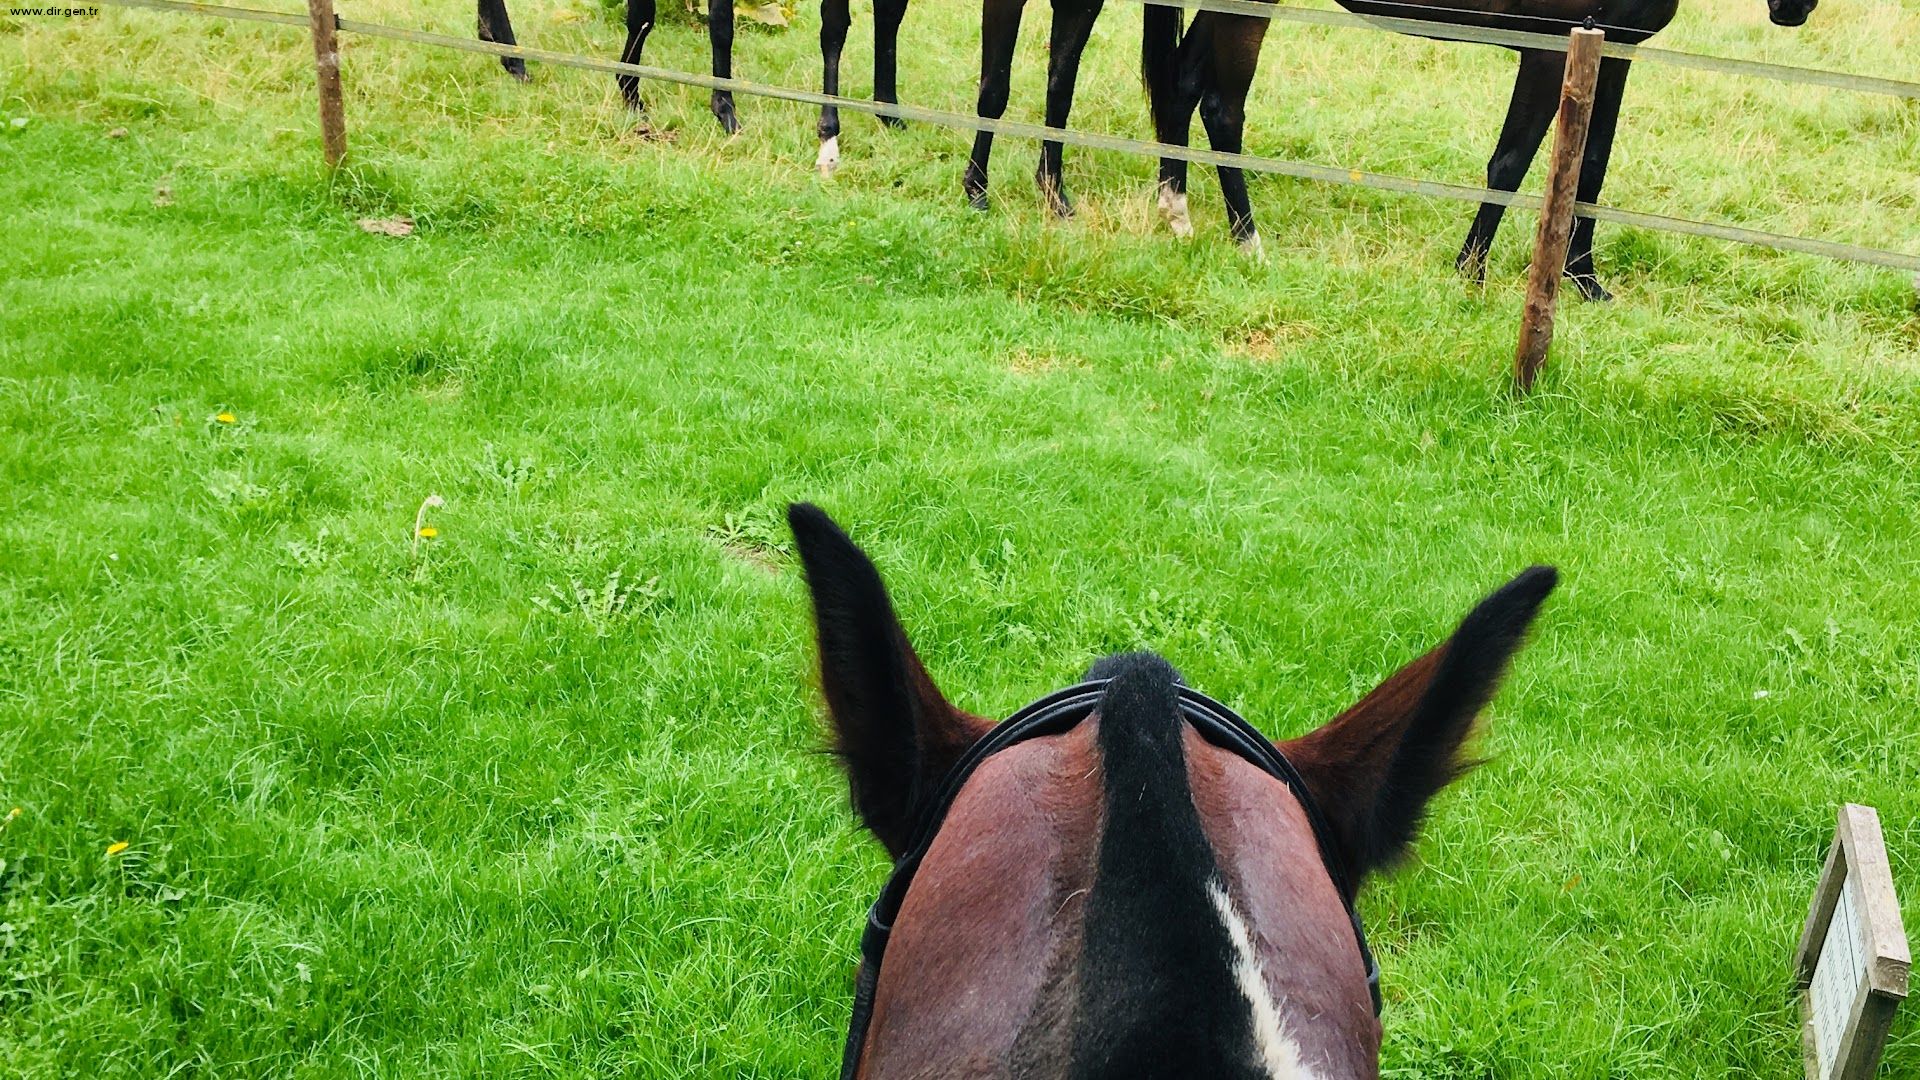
x: 1253, y: 249
x: 1173, y: 206
x: 829, y: 158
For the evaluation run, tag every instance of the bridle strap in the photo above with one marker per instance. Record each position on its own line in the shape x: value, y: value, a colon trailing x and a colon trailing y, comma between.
x: 1061, y: 711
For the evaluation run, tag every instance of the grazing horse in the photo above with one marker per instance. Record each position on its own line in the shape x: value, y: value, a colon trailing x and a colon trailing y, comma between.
x: 835, y: 19
x: 1125, y: 879
x: 1212, y: 66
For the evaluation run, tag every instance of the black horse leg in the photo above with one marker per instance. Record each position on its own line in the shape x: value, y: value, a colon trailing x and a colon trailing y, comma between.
x: 639, y: 25
x: 720, y: 32
x: 999, y: 29
x: 1173, y: 85
x: 1072, y: 25
x: 497, y: 28
x: 834, y: 20
x: 1223, y: 109
x: 1607, y: 92
x: 1173, y: 129
x: 886, y: 55
x: 1536, y: 97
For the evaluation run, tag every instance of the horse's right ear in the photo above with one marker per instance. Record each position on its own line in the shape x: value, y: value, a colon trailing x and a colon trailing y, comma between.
x: 892, y: 730
x: 1373, y: 768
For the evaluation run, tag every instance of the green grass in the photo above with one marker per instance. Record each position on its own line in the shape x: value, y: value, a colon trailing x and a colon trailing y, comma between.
x: 485, y: 809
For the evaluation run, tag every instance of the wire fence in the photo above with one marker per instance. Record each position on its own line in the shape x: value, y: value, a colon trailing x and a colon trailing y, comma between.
x: 1252, y: 163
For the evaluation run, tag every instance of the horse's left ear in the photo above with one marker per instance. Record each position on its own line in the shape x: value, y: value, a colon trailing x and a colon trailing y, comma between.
x: 892, y: 729
x: 1373, y: 768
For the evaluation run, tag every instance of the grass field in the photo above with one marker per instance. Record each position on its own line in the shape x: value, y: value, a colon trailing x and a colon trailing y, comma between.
x: 537, y: 795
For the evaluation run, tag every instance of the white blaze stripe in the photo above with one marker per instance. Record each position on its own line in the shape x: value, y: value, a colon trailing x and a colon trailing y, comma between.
x: 1277, y: 1052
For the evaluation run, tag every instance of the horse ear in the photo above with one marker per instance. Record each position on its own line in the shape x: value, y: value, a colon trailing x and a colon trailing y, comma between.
x: 1373, y: 768
x: 892, y: 730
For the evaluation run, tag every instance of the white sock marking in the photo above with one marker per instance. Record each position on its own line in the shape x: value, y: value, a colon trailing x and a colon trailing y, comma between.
x: 1277, y: 1052
x: 829, y: 158
x: 1173, y: 204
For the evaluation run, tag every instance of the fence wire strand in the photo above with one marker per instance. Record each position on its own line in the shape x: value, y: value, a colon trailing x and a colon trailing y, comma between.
x: 218, y: 11
x: 1092, y: 140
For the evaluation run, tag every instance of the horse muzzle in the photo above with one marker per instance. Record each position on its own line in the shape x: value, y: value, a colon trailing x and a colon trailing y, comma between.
x: 1789, y: 12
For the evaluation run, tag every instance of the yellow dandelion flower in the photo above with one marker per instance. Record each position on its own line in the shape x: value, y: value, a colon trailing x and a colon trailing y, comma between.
x: 117, y: 847
x: 422, y: 530
x: 225, y: 417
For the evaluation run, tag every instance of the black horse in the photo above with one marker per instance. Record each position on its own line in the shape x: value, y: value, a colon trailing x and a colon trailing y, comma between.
x: 495, y: 26
x: 1211, y: 66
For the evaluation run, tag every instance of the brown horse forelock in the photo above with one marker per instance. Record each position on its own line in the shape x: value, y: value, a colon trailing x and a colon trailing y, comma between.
x: 982, y: 975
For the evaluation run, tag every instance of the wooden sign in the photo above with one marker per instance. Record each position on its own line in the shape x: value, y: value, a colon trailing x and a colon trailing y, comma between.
x: 1852, y: 962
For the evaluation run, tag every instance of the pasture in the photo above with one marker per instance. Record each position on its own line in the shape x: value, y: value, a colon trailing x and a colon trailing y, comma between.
x: 538, y: 795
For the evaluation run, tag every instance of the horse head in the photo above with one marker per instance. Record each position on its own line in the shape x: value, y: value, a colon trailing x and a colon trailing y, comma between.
x: 1124, y: 878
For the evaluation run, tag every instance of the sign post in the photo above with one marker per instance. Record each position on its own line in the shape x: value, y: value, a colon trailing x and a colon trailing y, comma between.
x: 1852, y: 963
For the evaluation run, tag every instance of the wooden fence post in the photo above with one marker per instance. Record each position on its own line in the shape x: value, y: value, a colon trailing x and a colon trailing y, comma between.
x: 1556, y: 214
x: 326, y: 64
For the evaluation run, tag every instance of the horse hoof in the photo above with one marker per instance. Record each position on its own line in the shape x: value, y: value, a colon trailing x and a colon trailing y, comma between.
x: 1058, y: 205
x: 1472, y: 265
x: 829, y: 157
x: 1173, y: 207
x: 516, y: 67
x: 723, y: 112
x: 892, y: 123
x: 1252, y: 248
x: 1590, y: 288
x: 1053, y: 192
